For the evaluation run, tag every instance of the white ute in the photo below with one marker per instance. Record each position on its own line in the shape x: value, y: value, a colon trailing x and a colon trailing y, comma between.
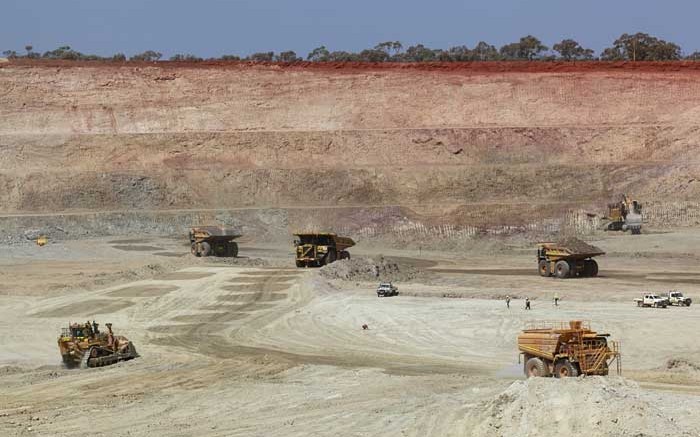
x: 652, y: 300
x: 675, y: 297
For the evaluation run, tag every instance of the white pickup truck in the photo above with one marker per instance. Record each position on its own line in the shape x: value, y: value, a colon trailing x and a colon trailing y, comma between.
x: 652, y: 300
x: 675, y: 297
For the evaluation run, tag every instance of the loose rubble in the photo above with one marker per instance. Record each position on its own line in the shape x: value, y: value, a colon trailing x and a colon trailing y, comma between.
x: 605, y: 406
x: 369, y: 269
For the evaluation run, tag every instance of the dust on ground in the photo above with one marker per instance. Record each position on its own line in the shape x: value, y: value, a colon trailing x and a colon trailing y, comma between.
x: 285, y: 349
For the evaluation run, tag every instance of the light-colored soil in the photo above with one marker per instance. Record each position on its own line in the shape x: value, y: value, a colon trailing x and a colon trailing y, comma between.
x: 256, y: 351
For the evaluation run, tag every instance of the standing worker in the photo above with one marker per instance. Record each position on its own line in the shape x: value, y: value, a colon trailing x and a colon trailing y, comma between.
x: 527, y: 303
x: 556, y: 300
x: 507, y: 301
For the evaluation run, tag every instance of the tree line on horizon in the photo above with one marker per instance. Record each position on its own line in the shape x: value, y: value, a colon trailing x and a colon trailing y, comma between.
x: 628, y: 47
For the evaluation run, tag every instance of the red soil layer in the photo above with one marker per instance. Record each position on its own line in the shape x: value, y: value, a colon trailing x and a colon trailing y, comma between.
x: 449, y: 67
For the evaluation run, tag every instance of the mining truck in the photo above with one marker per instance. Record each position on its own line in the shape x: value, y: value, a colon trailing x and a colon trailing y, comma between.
x: 316, y: 249
x: 84, y: 345
x: 567, y: 259
x: 624, y: 215
x: 564, y: 349
x: 213, y: 240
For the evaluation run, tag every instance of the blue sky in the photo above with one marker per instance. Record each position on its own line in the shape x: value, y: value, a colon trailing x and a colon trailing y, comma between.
x: 215, y: 27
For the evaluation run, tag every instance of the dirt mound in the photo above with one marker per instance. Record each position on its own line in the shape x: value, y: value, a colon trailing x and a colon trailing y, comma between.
x: 11, y: 370
x: 576, y: 406
x: 369, y: 269
x: 682, y: 365
x: 578, y: 246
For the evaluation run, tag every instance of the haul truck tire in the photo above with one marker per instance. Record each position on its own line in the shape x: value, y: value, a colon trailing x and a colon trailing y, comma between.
x: 220, y: 249
x: 232, y: 249
x: 562, y: 269
x: 588, y: 268
x: 543, y: 267
x: 330, y: 256
x: 594, y: 268
x: 204, y: 248
x: 535, y: 367
x: 564, y: 369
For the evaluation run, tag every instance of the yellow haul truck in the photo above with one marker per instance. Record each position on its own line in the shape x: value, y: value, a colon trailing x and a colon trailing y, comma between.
x: 564, y: 349
x: 567, y: 259
x: 213, y: 240
x: 316, y: 249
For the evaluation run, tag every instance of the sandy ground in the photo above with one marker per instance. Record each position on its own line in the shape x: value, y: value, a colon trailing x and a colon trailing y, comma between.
x: 256, y: 347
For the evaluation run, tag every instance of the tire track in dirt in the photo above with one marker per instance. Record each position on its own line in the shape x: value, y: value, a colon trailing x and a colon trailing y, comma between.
x: 211, y: 333
x: 239, y: 325
x: 328, y: 331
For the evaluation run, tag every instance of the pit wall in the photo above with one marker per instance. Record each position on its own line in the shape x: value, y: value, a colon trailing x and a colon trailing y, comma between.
x: 412, y: 153
x: 387, y: 225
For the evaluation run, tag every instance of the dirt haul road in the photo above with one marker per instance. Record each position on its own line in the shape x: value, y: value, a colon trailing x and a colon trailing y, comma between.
x: 262, y: 351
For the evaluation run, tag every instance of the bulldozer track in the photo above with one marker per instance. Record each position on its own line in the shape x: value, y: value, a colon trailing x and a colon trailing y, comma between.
x: 218, y: 333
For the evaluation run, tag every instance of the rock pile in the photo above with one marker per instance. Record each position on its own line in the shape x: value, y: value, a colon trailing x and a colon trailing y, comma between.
x: 576, y: 406
x: 369, y: 269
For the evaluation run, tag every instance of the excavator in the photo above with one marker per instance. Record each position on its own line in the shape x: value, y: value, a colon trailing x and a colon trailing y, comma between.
x: 624, y: 215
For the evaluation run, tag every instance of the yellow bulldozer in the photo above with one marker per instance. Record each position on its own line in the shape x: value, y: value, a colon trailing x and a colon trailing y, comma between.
x: 563, y: 349
x: 84, y: 345
x: 316, y: 249
x: 624, y: 215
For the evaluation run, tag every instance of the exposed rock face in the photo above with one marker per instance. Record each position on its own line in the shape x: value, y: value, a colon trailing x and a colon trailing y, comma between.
x: 445, y: 152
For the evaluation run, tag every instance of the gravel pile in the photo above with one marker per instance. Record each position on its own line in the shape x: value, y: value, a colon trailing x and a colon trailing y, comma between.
x: 596, y: 406
x: 578, y: 246
x: 682, y: 365
x: 369, y: 269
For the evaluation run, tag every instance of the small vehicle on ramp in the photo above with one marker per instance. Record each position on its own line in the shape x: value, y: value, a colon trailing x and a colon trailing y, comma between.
x: 387, y: 289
